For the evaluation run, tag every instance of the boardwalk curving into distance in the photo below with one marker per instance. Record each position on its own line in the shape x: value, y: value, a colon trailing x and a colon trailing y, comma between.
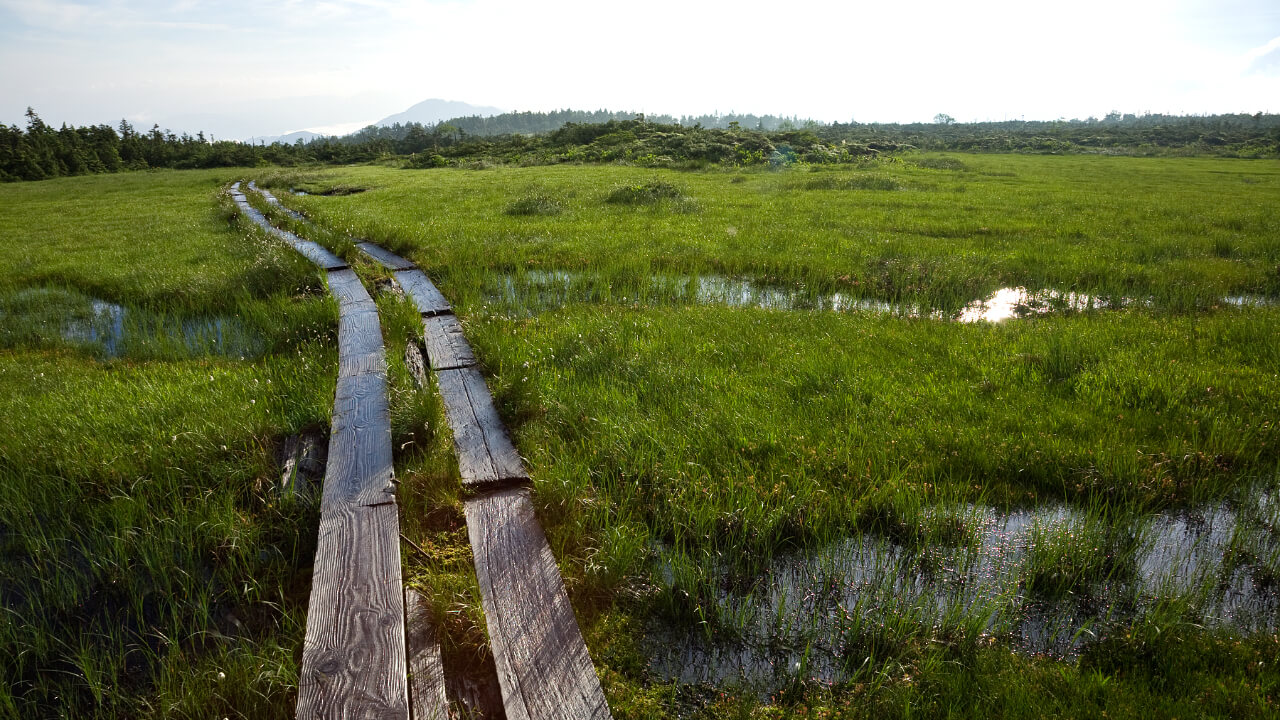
x: 353, y: 658
x: 543, y: 666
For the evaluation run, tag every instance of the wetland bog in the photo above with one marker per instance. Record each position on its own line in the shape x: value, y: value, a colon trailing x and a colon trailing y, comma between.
x: 744, y: 406
x: 778, y: 476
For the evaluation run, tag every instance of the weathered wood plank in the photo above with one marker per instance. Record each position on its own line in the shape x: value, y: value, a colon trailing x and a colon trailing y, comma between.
x: 485, y: 453
x: 302, y: 462
x: 543, y: 665
x: 345, y: 285
x: 423, y: 292
x: 427, y: 698
x: 447, y: 347
x: 353, y: 657
x: 312, y: 251
x: 385, y: 257
x: 360, y: 468
x: 316, y: 253
x: 359, y: 341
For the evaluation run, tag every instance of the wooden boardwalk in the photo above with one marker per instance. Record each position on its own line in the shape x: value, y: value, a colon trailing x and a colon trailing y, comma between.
x: 354, y: 662
x: 314, y: 252
x: 543, y: 666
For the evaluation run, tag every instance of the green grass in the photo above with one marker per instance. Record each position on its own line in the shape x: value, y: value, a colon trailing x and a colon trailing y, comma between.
x: 1182, y: 233
x: 146, y: 238
x: 750, y: 429
x: 150, y: 564
x: 679, y: 447
x: 680, y: 450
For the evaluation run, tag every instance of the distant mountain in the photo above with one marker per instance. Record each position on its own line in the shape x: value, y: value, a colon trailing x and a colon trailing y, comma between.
x: 305, y: 136
x: 430, y: 112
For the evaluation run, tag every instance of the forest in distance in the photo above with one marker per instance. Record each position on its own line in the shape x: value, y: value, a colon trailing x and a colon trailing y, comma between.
x: 40, y: 151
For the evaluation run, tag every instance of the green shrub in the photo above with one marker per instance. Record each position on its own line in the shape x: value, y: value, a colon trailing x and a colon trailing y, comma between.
x: 941, y: 163
x: 419, y: 161
x: 649, y: 193
x: 535, y: 203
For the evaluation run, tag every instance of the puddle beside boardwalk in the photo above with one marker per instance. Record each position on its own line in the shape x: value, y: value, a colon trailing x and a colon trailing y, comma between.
x: 538, y: 290
x: 46, y: 315
x: 810, y: 613
x: 120, y: 331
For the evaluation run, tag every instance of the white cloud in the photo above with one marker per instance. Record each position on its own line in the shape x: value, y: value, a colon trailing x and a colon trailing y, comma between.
x: 1265, y: 59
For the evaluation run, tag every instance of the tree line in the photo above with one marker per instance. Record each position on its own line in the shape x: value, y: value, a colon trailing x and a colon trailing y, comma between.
x: 38, y: 151
x: 1238, y: 135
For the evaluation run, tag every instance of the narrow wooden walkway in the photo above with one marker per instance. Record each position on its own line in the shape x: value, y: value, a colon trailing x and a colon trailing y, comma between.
x: 353, y: 658
x: 543, y: 666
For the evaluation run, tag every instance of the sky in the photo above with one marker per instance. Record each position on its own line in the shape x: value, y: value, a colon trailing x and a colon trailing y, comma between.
x: 237, y: 69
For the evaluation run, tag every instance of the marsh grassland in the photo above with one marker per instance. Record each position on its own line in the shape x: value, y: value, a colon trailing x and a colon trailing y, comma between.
x: 152, y: 357
x: 781, y: 476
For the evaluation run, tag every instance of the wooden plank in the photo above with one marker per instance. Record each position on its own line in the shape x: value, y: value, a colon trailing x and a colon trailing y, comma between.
x: 427, y: 698
x: 360, y: 470
x: 485, y: 452
x: 302, y: 463
x: 360, y: 342
x: 447, y: 347
x: 252, y: 213
x: 316, y: 253
x: 385, y: 257
x: 353, y: 656
x: 423, y: 292
x: 347, y: 288
x: 543, y: 665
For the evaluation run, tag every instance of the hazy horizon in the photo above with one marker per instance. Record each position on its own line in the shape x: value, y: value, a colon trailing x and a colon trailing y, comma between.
x: 236, y: 70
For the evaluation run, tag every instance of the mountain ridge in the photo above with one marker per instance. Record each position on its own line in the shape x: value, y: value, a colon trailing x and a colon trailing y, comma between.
x: 434, y: 110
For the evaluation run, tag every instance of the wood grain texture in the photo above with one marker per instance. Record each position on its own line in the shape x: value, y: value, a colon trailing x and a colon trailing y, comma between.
x: 312, y: 251
x: 543, y: 665
x: 447, y: 347
x: 424, y: 294
x: 427, y: 698
x: 385, y: 257
x: 347, y: 288
x: 316, y: 253
x: 485, y: 452
x: 359, y: 341
x: 360, y: 469
x: 353, y: 657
